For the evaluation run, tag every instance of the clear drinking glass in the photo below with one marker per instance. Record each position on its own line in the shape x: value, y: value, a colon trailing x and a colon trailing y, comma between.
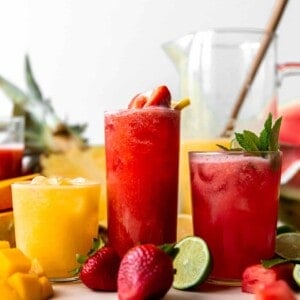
x: 54, y: 220
x: 11, y: 146
x: 142, y: 149
x: 235, y: 208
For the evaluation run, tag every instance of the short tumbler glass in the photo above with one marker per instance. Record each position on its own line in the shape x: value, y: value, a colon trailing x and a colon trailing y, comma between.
x: 54, y: 221
x: 235, y: 207
x: 11, y: 146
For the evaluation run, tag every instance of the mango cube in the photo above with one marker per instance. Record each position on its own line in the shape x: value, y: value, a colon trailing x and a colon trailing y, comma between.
x: 7, y: 292
x: 20, y: 278
x: 7, y: 228
x: 27, y: 286
x: 47, y: 289
x: 36, y: 268
x: 4, y: 244
x: 13, y: 260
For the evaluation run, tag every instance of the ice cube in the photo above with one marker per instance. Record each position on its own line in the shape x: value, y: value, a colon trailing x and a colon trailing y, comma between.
x: 39, y: 180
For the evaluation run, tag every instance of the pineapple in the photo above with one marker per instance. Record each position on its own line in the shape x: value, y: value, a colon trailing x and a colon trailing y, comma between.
x: 88, y: 163
x: 45, y: 131
x: 53, y: 146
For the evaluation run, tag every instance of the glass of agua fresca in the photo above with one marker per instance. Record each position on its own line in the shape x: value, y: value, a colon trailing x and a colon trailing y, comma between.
x: 142, y: 152
x: 11, y: 146
x: 55, y: 219
x: 235, y: 207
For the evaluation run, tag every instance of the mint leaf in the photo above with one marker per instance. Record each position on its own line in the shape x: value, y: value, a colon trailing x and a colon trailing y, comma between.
x: 223, y: 147
x: 248, y: 140
x: 252, y: 140
x: 264, y: 140
x: 267, y: 139
x: 274, y: 144
x: 241, y: 140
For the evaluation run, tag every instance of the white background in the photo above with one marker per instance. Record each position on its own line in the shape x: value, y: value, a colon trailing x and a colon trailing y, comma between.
x: 92, y: 55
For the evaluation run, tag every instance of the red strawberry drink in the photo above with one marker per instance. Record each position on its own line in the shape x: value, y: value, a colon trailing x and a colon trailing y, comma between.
x: 142, y: 145
x: 11, y: 146
x: 11, y: 161
x: 235, y: 206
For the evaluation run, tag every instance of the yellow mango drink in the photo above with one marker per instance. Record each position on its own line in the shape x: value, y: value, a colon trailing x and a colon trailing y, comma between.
x: 55, y: 219
x: 184, y: 173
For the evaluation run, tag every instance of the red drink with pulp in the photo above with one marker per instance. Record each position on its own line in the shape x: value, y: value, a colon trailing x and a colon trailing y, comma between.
x: 235, y: 207
x: 142, y: 150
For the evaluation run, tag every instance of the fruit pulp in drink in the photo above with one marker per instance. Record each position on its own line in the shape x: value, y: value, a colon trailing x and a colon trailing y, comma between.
x: 11, y: 160
x: 235, y: 207
x: 184, y: 173
x: 55, y: 220
x: 142, y: 151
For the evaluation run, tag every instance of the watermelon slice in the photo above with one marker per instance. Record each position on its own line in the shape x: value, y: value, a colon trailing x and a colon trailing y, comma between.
x: 257, y: 276
x: 277, y: 290
x: 289, y: 134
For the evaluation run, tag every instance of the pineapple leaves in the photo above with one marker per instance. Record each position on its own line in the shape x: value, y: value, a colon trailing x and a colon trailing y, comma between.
x: 45, y: 131
x: 14, y: 93
x: 33, y: 87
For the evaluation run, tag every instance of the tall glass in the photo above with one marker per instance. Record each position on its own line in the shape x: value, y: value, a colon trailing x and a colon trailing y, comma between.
x: 11, y: 146
x: 235, y: 207
x: 55, y: 219
x: 142, y: 148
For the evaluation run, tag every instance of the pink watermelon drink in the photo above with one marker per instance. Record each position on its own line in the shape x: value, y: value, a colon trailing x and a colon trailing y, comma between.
x: 235, y: 206
x: 142, y: 145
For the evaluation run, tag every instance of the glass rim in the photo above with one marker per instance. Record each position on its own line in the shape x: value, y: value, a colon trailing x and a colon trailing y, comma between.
x: 153, y: 107
x: 11, y: 118
x: 234, y: 152
x: 27, y: 184
x: 237, y: 30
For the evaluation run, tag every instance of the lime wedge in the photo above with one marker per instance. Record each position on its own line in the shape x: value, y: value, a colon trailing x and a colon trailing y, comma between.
x: 296, y: 274
x: 288, y: 245
x: 193, y: 263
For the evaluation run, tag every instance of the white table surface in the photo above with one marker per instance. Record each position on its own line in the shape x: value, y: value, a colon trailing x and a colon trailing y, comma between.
x: 77, y: 291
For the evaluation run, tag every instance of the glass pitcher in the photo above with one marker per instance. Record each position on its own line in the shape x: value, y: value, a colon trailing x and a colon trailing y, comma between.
x: 212, y: 67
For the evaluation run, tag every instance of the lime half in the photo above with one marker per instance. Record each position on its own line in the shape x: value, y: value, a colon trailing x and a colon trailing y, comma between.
x: 296, y: 274
x: 193, y: 263
x: 288, y: 245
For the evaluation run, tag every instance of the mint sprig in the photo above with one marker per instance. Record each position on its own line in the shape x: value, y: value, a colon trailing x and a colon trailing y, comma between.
x: 267, y: 140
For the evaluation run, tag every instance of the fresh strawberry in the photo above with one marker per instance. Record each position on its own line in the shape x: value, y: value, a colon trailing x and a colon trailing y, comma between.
x: 100, y: 270
x: 277, y: 290
x: 146, y: 272
x: 138, y: 101
x: 257, y: 276
x: 160, y: 96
